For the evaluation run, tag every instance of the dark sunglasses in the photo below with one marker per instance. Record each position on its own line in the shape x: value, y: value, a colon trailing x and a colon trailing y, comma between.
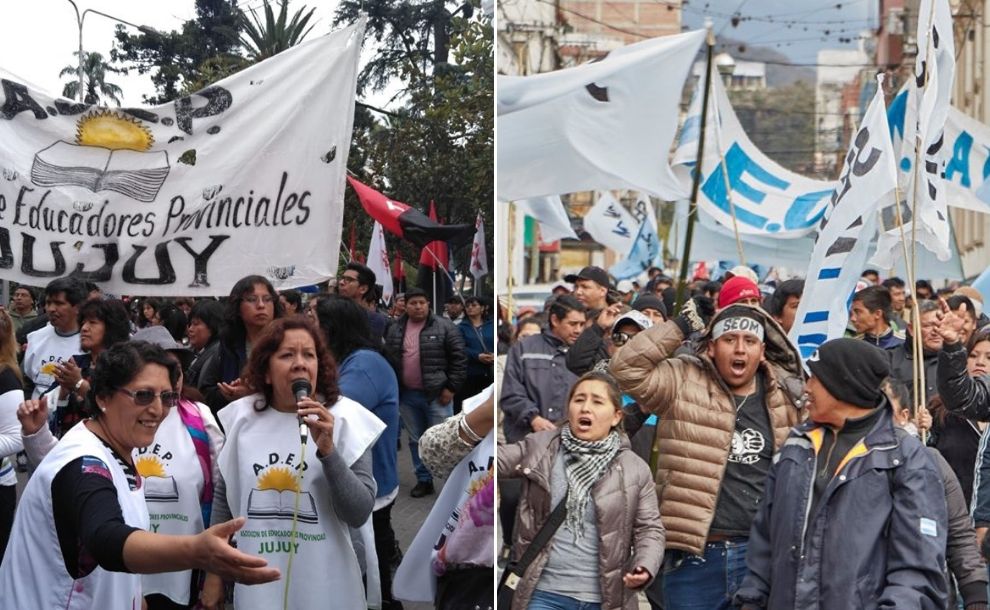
x: 619, y: 339
x: 143, y: 398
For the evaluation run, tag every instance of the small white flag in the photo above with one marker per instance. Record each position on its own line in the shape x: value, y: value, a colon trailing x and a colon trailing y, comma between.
x: 608, y: 223
x: 550, y: 213
x: 378, y: 262
x: 479, y: 253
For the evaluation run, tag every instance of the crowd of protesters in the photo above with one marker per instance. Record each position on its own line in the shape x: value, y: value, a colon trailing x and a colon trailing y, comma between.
x: 778, y: 483
x: 207, y: 423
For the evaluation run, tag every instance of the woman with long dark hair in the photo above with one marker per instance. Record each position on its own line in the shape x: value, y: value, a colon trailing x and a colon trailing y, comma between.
x: 366, y: 377
x: 297, y: 462
x: 251, y: 307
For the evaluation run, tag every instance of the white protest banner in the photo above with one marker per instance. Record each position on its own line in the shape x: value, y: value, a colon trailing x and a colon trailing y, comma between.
x: 928, y: 104
x: 550, y: 213
x: 608, y: 223
x: 378, y: 262
x: 244, y: 177
x: 768, y: 199
x: 869, y: 176
x: 479, y: 252
x: 604, y: 125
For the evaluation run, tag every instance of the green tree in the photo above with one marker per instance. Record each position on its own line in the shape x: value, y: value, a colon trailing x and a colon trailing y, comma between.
x: 177, y: 61
x: 96, y: 89
x: 277, y: 33
x: 439, y: 145
x: 781, y: 122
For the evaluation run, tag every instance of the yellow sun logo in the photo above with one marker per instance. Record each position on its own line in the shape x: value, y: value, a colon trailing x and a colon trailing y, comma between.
x: 278, y: 478
x: 150, y: 466
x: 111, y: 130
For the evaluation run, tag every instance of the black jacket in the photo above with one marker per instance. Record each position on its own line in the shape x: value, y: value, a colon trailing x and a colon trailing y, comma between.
x: 902, y: 367
x: 876, y: 540
x: 442, y: 359
x: 588, y: 350
x: 536, y: 382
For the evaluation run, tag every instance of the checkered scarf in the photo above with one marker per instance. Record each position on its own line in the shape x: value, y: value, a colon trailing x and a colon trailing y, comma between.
x: 584, y: 464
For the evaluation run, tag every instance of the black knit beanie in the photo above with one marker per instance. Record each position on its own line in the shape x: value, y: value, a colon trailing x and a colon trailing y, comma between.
x: 851, y: 370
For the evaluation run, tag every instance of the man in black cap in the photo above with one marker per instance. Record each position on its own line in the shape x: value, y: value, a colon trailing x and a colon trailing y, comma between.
x: 854, y: 512
x: 591, y: 286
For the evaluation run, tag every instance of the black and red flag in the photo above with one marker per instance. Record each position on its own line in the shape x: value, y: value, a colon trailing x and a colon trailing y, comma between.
x: 407, y: 222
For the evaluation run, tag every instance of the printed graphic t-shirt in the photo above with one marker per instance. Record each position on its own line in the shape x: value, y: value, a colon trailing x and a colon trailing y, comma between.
x: 746, y: 471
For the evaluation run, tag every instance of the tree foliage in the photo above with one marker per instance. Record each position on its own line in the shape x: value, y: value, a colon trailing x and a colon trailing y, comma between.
x: 95, y: 86
x: 277, y: 33
x: 175, y: 59
x: 781, y: 122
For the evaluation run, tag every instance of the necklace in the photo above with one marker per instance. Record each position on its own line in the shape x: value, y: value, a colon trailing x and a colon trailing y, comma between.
x: 743, y: 401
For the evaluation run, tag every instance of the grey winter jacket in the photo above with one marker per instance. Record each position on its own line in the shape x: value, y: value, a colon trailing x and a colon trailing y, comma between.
x: 626, y: 512
x: 536, y: 382
x: 442, y: 359
x: 876, y: 540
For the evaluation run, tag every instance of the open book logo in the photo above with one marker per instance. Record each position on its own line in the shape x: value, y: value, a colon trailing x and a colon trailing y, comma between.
x: 158, y: 485
x: 111, y: 153
x: 275, y: 497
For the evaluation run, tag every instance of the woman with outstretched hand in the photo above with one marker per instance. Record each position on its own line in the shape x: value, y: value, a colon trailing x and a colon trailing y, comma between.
x: 80, y: 536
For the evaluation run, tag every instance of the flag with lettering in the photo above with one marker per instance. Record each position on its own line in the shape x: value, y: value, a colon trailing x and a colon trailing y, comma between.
x: 245, y: 176
x: 479, y: 252
x: 378, y: 262
x: 608, y: 124
x: 740, y: 186
x: 645, y: 250
x: 928, y: 105
x: 868, y: 179
x: 610, y: 224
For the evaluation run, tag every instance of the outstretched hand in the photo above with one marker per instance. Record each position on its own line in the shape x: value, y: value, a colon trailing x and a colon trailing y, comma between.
x: 950, y: 323
x: 218, y: 557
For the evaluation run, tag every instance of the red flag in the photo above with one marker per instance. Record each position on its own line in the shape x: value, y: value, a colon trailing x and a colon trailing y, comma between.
x: 408, y: 223
x: 435, y: 250
x: 399, y: 272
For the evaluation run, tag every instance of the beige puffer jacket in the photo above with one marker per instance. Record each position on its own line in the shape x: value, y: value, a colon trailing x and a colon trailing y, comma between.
x: 697, y: 417
x: 629, y: 527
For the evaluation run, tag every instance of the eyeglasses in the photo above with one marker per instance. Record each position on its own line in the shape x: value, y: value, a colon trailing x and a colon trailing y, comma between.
x: 253, y: 299
x: 143, y: 398
x: 344, y: 279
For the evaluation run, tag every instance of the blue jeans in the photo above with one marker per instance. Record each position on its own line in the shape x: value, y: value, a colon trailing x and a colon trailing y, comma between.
x: 544, y: 600
x: 704, y: 583
x: 418, y: 414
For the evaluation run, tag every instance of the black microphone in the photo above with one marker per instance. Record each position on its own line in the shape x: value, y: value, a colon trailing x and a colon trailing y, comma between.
x: 302, y: 389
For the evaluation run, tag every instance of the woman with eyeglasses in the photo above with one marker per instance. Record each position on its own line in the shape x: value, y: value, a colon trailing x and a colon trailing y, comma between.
x: 479, y: 345
x: 297, y: 462
x: 80, y: 537
x: 251, y: 307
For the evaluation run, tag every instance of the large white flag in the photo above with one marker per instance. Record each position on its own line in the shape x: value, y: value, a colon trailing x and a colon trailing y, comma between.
x: 479, y: 252
x: 379, y: 263
x: 924, y: 140
x: 608, y: 223
x: 243, y: 177
x: 869, y: 175
x: 550, y: 213
x: 768, y: 200
x: 604, y: 125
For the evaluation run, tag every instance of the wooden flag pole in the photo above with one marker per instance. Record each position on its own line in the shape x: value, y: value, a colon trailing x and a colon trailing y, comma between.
x: 696, y: 183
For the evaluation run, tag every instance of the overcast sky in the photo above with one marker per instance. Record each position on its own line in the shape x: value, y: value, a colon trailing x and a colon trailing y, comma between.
x: 798, y: 29
x: 38, y: 37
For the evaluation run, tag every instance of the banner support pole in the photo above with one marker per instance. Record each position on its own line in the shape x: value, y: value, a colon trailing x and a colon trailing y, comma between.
x: 696, y: 182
